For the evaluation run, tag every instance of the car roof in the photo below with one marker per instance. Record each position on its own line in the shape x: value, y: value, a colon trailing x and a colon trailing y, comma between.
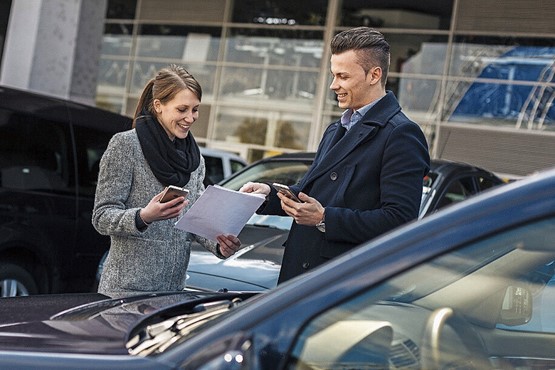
x: 222, y: 154
x: 308, y: 156
x: 62, y: 110
x: 445, y: 164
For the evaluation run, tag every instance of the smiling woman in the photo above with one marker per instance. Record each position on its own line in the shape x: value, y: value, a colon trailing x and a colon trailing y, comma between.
x: 147, y: 253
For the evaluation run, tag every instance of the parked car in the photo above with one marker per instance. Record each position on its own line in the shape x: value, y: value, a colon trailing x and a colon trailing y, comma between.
x: 49, y: 154
x: 256, y: 267
x: 471, y: 286
x: 220, y: 164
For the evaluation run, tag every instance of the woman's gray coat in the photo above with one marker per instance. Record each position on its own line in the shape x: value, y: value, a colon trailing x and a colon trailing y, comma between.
x: 157, y: 258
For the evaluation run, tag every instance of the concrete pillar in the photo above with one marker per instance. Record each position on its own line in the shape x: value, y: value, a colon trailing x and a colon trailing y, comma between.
x: 53, y: 47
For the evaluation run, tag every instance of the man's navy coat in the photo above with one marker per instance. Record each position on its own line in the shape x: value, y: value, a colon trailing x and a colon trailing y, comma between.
x: 370, y: 181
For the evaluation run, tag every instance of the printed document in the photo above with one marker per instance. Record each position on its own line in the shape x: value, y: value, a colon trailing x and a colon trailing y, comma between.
x: 219, y: 211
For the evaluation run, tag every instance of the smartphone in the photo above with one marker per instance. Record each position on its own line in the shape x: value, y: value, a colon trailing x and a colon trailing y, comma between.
x: 284, y: 189
x: 173, y: 192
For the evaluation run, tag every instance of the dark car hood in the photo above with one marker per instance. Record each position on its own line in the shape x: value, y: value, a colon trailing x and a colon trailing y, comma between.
x: 81, y: 323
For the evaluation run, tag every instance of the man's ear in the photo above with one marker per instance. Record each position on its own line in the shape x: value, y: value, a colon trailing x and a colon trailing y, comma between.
x: 375, y: 75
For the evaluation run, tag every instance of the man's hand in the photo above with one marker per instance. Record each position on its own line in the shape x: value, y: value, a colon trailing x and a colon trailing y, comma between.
x: 308, y: 213
x: 255, y: 188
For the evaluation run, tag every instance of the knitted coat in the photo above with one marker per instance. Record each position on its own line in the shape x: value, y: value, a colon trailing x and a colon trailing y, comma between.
x: 157, y: 258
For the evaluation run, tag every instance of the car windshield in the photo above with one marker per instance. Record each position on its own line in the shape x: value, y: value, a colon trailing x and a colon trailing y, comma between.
x: 429, y: 315
x: 284, y: 172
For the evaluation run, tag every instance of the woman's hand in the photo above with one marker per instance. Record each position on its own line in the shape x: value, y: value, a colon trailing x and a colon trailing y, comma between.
x: 229, y: 244
x: 155, y: 211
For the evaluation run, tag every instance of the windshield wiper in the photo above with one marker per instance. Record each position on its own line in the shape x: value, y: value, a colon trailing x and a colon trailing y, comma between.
x: 156, y: 338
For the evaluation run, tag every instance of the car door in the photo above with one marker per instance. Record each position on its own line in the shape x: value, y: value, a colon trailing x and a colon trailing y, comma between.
x: 37, y: 198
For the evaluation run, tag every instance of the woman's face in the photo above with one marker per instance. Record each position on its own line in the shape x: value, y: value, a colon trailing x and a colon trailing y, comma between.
x: 178, y: 115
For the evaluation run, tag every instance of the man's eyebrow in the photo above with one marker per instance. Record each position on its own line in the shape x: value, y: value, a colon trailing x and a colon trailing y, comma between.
x: 340, y: 74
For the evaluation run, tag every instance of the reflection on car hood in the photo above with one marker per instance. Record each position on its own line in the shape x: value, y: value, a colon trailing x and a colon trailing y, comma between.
x: 81, y: 323
x: 255, y: 260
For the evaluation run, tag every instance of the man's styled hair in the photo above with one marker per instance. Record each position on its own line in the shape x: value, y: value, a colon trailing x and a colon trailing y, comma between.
x: 370, y: 46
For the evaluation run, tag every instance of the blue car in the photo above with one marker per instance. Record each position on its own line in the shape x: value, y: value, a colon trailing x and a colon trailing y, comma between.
x: 471, y: 286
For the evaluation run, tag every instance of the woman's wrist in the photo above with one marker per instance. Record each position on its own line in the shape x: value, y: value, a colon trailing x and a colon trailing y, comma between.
x: 142, y: 218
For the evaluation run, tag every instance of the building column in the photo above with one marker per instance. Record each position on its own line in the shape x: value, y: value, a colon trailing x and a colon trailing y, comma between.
x: 53, y: 47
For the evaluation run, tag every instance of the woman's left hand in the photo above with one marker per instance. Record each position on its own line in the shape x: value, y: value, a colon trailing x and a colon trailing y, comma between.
x: 229, y: 244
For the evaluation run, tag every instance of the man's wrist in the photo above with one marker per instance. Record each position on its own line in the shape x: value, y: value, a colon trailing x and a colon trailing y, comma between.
x: 321, y: 226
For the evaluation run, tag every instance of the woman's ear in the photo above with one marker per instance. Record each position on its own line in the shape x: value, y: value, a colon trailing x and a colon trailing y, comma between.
x: 157, y: 106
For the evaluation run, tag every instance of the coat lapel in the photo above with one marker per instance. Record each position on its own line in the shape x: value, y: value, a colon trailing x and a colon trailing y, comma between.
x: 369, y: 125
x: 357, y: 135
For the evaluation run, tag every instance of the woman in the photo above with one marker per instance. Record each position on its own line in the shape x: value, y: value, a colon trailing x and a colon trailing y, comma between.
x: 147, y: 253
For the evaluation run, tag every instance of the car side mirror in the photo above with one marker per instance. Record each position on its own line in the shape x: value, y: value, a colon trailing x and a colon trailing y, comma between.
x: 517, y: 306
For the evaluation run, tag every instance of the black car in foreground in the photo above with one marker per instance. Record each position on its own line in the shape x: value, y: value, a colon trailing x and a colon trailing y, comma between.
x: 469, y: 287
x: 256, y: 266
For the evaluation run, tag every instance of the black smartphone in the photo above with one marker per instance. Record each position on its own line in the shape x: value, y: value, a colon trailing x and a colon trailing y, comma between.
x: 284, y: 189
x: 173, y: 192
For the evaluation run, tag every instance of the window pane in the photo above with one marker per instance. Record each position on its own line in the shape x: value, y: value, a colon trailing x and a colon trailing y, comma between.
x: 518, y: 105
x: 121, y: 9
x: 275, y: 84
x: 113, y: 64
x: 419, y: 54
x: 396, y: 14
x: 501, y: 58
x: 271, y: 129
x: 117, y: 39
x: 419, y: 96
x: 182, y: 10
x: 280, y: 12
x: 189, y: 44
x: 112, y: 74
x: 297, y: 48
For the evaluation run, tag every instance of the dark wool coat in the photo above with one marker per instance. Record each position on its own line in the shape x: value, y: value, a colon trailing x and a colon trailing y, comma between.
x: 369, y: 183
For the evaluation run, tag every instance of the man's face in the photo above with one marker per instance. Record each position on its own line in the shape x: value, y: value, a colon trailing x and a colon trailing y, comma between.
x: 353, y: 87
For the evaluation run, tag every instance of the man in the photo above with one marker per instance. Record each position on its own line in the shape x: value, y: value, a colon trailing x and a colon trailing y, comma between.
x: 366, y: 178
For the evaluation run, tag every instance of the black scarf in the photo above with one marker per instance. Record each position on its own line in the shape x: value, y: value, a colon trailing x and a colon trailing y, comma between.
x: 171, y: 162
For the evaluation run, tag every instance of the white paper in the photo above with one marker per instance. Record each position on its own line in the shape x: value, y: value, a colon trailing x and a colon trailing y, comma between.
x: 219, y: 211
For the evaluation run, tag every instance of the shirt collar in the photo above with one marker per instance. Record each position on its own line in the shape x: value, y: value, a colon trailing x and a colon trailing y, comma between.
x: 349, y: 117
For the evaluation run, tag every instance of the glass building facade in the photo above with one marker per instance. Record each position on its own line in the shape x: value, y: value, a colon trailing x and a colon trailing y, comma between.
x: 464, y: 70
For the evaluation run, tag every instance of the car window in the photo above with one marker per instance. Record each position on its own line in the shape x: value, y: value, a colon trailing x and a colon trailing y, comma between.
x: 236, y: 165
x: 34, y: 154
x: 485, y: 183
x: 433, y: 312
x: 214, y: 168
x: 457, y: 191
x: 284, y: 172
x: 90, y: 146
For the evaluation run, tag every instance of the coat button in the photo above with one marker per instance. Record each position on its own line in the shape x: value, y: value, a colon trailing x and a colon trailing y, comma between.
x: 333, y: 176
x: 306, y: 265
